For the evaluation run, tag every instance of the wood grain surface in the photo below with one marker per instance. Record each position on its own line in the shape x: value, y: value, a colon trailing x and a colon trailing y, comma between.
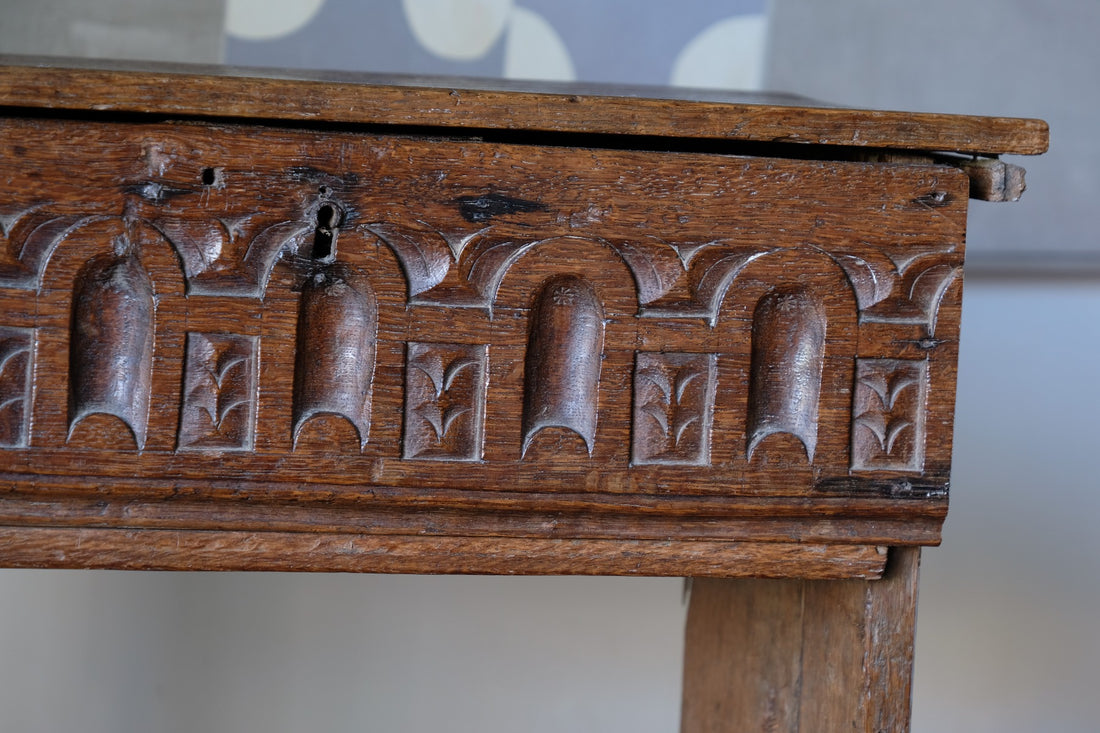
x: 254, y: 94
x: 801, y: 656
x: 137, y: 549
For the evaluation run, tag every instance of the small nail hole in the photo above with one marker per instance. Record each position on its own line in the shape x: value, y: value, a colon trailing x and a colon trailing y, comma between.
x: 211, y: 176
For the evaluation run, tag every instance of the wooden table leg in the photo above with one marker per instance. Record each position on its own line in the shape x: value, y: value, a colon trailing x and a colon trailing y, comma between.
x: 801, y: 656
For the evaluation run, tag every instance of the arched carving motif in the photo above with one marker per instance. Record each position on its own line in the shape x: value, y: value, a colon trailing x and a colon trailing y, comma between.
x: 564, y: 356
x: 335, y: 349
x: 111, y: 346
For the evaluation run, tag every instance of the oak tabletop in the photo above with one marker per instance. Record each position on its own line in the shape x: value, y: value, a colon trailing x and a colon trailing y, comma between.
x: 470, y: 105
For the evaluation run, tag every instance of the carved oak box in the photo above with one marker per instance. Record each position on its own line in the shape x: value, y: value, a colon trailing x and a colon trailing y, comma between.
x: 255, y: 322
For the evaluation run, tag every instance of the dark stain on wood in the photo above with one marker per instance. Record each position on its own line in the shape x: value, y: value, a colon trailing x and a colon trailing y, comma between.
x: 477, y: 209
x: 897, y: 488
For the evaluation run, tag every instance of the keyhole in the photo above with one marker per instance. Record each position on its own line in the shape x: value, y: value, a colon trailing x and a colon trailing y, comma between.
x: 328, y: 219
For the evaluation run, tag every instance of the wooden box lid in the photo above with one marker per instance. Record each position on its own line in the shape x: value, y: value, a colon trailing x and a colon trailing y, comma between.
x: 483, y: 104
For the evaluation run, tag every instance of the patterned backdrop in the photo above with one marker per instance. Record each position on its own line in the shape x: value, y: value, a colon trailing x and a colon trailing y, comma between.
x: 687, y: 42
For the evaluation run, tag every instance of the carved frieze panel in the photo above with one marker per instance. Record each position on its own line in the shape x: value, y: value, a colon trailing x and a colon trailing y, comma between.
x: 673, y: 408
x: 733, y: 352
x: 888, y: 415
x: 219, y: 396
x: 16, y: 385
x: 445, y: 401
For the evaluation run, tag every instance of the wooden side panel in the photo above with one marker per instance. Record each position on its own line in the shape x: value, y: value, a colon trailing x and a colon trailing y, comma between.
x: 248, y: 329
x: 800, y: 656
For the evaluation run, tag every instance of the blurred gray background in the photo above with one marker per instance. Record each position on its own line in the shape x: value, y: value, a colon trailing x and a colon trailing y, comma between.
x: 1008, y: 639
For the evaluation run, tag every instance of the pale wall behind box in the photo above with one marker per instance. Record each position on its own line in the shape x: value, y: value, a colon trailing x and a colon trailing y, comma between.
x: 1007, y: 639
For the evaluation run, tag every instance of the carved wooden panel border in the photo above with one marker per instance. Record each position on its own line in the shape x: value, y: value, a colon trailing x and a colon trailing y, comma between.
x: 399, y: 336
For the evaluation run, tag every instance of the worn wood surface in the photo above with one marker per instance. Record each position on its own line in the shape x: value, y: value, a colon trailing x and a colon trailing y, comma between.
x: 143, y: 549
x: 249, y: 329
x: 994, y: 180
x: 801, y: 656
x: 293, y: 96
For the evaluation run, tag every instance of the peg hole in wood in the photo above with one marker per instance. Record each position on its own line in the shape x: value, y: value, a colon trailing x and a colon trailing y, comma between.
x: 211, y: 176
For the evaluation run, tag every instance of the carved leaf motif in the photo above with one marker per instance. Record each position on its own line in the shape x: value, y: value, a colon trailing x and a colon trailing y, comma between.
x: 904, y: 284
x: 658, y: 414
x: 431, y: 364
x: 457, y: 241
x: 885, y: 431
x: 442, y: 377
x: 266, y: 247
x: 444, y: 391
x: 441, y: 420
x: 198, y: 243
x: 454, y: 368
x: 888, y: 415
x: 895, y: 429
x: 906, y: 255
x: 488, y: 264
x: 658, y: 378
x: 927, y: 291
x: 682, y: 424
x: 687, y: 251
x: 684, y: 378
x: 220, y: 378
x: 11, y: 347
x: 15, y: 356
x: 226, y: 376
x: 889, y: 386
x: 673, y: 400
